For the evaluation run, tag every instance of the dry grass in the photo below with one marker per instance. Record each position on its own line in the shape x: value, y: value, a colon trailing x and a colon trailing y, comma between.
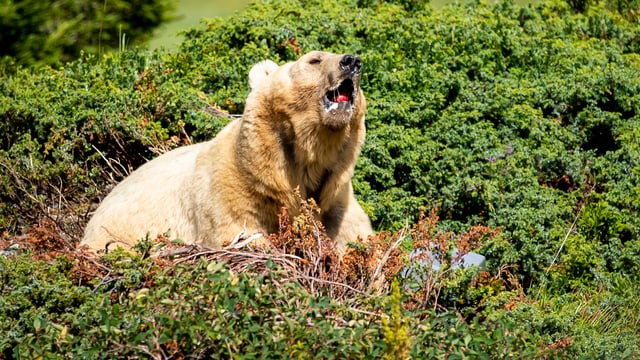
x: 300, y: 248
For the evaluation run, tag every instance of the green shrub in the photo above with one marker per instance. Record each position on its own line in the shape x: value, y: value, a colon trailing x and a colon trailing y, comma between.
x: 69, y: 132
x: 519, y: 118
x: 204, y: 310
x: 51, y: 33
x: 490, y: 114
x: 502, y: 115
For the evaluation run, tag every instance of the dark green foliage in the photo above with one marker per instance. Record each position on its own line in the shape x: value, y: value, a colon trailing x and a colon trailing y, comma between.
x: 502, y: 115
x: 204, y: 310
x: 525, y: 119
x: 67, y: 132
x: 34, y: 32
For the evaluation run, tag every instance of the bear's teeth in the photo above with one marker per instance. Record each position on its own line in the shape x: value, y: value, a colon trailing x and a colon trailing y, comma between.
x: 333, y: 107
x: 335, y: 95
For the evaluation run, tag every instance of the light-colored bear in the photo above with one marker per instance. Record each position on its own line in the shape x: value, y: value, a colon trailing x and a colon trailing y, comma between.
x: 302, y: 127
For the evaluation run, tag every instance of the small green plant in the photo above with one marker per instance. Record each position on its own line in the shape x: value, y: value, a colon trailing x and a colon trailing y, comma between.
x: 397, y: 337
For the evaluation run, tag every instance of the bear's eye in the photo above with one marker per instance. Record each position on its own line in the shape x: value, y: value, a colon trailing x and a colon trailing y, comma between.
x: 315, y: 61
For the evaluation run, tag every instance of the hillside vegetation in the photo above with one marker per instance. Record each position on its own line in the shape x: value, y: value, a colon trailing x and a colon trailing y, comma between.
x: 512, y: 131
x: 37, y: 33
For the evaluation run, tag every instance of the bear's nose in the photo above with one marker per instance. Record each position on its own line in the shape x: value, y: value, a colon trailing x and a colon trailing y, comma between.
x: 351, y: 63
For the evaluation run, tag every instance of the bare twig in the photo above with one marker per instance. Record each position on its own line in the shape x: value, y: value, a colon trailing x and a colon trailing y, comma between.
x: 236, y: 244
x: 329, y: 282
x: 122, y: 174
x: 217, y: 112
x: 384, y: 260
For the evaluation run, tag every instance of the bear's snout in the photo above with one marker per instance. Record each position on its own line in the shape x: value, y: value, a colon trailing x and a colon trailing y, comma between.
x: 350, y: 63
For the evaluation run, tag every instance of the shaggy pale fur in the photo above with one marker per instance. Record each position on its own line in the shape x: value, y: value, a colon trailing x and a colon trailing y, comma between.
x: 302, y: 127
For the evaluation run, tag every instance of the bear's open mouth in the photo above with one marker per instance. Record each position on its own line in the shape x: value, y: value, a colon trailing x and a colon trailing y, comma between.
x: 343, y: 93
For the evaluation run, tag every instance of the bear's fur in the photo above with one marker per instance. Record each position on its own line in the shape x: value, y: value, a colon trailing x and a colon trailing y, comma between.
x: 302, y: 127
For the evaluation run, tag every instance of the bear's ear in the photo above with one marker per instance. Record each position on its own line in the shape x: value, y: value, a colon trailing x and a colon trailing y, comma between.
x: 260, y: 71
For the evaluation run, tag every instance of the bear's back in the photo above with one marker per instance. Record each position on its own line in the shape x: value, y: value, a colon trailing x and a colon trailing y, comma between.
x: 146, y: 202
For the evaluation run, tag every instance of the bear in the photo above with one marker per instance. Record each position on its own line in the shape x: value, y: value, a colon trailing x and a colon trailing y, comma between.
x: 301, y: 130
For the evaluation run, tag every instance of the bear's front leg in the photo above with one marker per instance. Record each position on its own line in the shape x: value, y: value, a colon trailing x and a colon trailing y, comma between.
x: 345, y: 223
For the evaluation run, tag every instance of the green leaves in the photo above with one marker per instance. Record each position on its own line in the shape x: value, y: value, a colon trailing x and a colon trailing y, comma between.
x: 522, y: 118
x: 35, y: 33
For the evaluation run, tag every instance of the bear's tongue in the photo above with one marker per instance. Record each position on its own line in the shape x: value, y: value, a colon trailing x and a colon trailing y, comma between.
x: 343, y: 93
x: 341, y: 98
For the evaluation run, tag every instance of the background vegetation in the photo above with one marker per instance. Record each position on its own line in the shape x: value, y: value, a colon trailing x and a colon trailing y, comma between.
x: 523, y: 120
x: 34, y: 32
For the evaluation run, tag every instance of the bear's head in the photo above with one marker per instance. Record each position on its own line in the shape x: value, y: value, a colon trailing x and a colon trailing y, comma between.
x: 318, y: 88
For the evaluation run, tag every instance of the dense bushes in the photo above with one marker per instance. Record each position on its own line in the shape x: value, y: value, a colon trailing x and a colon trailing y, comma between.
x: 204, y: 310
x: 51, y: 33
x: 515, y: 117
x: 519, y: 118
